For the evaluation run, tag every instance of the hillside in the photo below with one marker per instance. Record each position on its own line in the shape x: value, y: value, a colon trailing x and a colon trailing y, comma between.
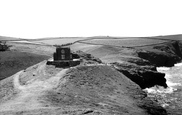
x: 137, y: 63
x: 87, y: 89
x: 14, y: 61
x: 109, y: 81
x: 9, y: 38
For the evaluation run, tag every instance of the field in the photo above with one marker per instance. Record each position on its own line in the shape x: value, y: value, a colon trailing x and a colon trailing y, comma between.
x: 44, y: 41
x: 14, y: 61
x: 9, y: 38
x: 170, y: 37
x: 99, y: 40
x: 125, y: 42
x: 56, y: 41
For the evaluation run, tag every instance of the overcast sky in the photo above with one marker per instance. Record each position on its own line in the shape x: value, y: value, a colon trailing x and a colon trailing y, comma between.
x: 66, y: 18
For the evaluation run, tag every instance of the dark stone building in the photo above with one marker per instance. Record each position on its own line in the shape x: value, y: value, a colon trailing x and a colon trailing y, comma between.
x: 63, y: 53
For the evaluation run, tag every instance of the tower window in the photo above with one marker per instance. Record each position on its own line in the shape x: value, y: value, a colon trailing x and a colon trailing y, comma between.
x: 62, y: 56
x: 62, y: 51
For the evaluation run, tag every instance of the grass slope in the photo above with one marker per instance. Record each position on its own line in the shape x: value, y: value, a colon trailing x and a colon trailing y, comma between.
x: 9, y: 38
x: 14, y: 61
x: 90, y: 89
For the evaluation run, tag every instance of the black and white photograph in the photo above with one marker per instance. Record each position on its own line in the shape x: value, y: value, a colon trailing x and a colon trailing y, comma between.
x: 90, y: 57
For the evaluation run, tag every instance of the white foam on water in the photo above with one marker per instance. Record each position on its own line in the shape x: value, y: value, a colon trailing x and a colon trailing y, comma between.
x: 163, y: 68
x: 173, y: 76
x: 169, y: 75
x: 171, y: 84
x: 157, y: 90
x: 169, y: 81
x: 178, y: 64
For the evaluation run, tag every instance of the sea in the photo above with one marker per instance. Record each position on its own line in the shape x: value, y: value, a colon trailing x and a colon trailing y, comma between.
x: 171, y: 97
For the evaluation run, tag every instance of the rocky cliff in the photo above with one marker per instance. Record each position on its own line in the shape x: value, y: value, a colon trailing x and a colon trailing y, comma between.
x: 163, y: 55
x: 145, y: 74
x: 139, y: 63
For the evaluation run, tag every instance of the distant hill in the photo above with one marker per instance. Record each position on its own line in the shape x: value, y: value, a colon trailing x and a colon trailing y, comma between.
x: 63, y: 40
x: 9, y: 38
x: 167, y: 37
x: 171, y: 37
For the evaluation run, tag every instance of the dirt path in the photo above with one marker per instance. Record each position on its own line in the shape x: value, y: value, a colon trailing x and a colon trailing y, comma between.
x: 28, y: 96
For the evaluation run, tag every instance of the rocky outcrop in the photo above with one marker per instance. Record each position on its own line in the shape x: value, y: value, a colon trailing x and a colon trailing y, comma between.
x: 140, y: 66
x: 87, y: 58
x: 159, y: 58
x: 144, y: 76
x: 133, y: 61
x: 143, y: 72
x: 163, y: 55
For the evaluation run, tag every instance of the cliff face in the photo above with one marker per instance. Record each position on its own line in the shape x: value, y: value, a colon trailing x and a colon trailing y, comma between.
x: 139, y: 63
x: 144, y: 76
x: 166, y: 55
x: 160, y: 55
x: 159, y: 59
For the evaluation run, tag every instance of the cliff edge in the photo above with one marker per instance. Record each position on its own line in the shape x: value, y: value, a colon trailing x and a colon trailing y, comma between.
x: 138, y: 63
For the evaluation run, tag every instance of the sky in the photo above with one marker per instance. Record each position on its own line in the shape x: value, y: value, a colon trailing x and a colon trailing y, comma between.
x: 79, y: 18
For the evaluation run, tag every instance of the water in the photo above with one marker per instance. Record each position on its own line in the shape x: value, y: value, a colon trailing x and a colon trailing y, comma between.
x: 170, y: 98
